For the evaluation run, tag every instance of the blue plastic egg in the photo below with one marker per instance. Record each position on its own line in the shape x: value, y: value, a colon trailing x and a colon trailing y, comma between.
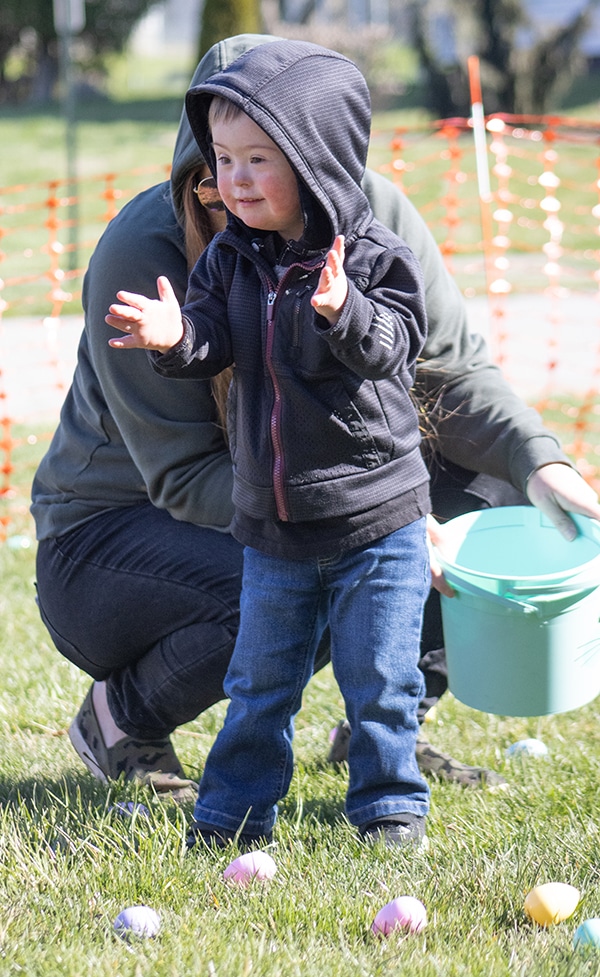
x: 587, y: 934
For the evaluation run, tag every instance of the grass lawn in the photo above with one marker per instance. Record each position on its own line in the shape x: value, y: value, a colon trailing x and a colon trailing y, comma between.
x: 69, y: 864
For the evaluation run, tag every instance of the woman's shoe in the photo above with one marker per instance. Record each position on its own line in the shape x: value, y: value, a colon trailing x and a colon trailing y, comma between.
x: 150, y: 763
x: 432, y: 762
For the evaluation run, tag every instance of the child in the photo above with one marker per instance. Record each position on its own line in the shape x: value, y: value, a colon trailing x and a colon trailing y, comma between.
x: 321, y: 309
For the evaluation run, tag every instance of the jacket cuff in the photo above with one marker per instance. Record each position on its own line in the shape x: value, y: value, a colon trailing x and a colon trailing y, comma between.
x: 179, y: 355
x: 533, y: 454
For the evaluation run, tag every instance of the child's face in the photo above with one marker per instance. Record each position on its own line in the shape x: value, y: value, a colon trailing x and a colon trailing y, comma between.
x: 255, y: 179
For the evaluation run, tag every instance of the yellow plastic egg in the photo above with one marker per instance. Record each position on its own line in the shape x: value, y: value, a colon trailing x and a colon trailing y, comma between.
x: 551, y: 902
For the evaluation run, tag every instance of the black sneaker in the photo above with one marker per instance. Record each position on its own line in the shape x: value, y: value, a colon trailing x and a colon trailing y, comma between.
x: 150, y: 763
x: 214, y: 837
x: 397, y: 831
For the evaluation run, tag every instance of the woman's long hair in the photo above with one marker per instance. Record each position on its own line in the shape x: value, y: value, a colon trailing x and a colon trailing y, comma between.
x: 198, y: 235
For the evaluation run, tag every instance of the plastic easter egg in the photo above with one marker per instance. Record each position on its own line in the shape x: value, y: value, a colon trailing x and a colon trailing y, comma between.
x: 137, y: 921
x: 587, y: 935
x: 18, y: 542
x: 528, y: 747
x: 129, y: 808
x: 251, y: 865
x: 405, y: 913
x: 551, y: 903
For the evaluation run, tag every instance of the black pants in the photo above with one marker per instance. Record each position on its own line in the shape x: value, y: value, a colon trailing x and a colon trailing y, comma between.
x: 151, y: 605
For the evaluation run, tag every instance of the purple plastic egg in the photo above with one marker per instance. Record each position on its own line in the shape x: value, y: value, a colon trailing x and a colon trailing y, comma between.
x: 137, y: 921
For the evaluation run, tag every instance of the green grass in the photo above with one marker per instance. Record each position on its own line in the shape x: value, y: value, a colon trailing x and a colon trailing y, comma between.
x: 111, y: 138
x: 68, y: 865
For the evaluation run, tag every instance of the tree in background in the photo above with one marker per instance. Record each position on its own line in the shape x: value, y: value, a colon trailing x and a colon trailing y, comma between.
x: 29, y: 45
x: 517, y: 77
x: 225, y: 18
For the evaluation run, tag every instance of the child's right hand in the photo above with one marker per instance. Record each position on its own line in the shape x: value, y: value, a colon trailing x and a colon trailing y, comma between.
x: 150, y: 323
x: 435, y: 538
x: 332, y: 289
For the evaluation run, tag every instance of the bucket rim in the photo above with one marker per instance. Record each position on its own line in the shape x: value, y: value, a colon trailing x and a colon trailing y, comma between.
x: 578, y: 577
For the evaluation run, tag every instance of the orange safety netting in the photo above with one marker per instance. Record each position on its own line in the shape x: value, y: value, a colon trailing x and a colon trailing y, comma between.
x: 526, y: 257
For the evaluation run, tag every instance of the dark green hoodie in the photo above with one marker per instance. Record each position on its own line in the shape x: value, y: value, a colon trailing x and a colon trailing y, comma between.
x: 127, y: 435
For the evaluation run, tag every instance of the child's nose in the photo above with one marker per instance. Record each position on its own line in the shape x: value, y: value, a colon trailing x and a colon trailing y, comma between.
x: 241, y: 175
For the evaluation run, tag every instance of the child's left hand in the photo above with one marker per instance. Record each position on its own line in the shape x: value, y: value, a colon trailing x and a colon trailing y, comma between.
x: 330, y: 294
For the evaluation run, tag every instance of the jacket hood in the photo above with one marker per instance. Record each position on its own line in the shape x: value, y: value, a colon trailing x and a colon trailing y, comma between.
x: 186, y: 154
x: 314, y: 104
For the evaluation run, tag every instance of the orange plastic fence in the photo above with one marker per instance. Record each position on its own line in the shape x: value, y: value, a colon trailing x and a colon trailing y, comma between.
x: 527, y: 258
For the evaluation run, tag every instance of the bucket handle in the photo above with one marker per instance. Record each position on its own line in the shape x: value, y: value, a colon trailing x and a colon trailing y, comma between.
x: 469, y: 588
x: 573, y: 587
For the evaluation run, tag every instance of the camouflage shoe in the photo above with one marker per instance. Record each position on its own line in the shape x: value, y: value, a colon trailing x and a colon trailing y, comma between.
x: 339, y: 740
x: 432, y: 762
x: 150, y: 763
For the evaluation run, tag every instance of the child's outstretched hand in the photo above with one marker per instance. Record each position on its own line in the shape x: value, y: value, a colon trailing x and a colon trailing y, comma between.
x: 330, y: 294
x: 151, y: 323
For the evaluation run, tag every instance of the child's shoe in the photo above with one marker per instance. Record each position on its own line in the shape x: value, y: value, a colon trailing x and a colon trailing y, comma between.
x: 215, y: 837
x: 397, y: 830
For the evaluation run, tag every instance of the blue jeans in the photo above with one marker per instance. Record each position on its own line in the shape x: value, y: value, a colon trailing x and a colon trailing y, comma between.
x: 372, y: 598
x: 148, y: 604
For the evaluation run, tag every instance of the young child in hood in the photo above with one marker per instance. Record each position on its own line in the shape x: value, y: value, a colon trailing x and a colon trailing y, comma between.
x: 321, y: 309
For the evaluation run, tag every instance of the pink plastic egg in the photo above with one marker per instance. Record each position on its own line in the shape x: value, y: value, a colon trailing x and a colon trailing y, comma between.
x: 252, y: 865
x: 405, y: 913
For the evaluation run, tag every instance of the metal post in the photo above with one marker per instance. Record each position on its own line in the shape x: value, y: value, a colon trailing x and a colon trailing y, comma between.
x: 69, y: 20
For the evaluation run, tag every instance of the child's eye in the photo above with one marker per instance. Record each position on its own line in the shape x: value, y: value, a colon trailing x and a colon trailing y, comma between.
x: 256, y: 159
x: 222, y: 159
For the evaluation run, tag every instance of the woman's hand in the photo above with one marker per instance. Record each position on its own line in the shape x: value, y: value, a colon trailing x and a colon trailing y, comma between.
x: 435, y: 537
x: 556, y: 490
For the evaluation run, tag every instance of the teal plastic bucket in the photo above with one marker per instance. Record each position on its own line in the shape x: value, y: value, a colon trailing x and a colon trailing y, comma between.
x: 522, y: 634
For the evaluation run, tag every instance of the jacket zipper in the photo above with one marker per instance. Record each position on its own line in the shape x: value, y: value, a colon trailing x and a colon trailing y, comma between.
x: 275, y: 420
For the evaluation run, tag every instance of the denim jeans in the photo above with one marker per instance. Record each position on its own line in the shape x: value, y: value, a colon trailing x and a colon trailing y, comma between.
x: 149, y: 604
x: 372, y: 599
